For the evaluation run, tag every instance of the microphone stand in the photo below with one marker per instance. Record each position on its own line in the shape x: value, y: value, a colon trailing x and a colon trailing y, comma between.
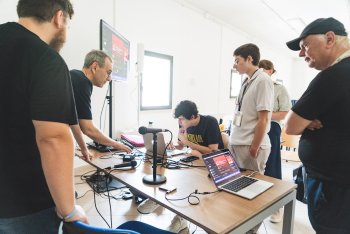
x: 154, y: 178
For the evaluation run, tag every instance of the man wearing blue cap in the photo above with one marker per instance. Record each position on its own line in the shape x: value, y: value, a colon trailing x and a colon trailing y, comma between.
x: 322, y: 117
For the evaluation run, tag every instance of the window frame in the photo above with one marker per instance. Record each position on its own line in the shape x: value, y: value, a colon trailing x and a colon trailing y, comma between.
x: 235, y: 75
x: 170, y: 101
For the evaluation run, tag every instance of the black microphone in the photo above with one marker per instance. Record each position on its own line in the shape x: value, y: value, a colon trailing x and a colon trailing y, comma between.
x: 144, y: 130
x: 127, y: 164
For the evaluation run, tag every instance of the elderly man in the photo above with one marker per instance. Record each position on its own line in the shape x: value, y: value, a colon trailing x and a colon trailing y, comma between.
x: 322, y: 117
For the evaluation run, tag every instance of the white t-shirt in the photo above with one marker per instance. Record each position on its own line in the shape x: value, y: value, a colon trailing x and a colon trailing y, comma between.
x: 259, y: 96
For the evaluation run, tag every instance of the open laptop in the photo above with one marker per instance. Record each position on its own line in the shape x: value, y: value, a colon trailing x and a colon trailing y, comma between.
x: 227, y: 176
x: 161, y: 146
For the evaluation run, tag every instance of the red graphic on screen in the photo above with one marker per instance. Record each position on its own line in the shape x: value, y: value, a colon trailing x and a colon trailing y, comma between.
x: 222, y: 164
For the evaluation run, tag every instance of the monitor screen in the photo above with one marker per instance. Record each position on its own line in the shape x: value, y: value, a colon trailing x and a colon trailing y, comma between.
x: 118, y: 48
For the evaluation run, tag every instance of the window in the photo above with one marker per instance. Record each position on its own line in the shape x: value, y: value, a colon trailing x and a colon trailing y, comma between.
x: 235, y: 83
x: 157, y: 81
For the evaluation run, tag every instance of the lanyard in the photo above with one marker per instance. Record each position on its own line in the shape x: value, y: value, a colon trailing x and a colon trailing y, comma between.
x: 246, y: 84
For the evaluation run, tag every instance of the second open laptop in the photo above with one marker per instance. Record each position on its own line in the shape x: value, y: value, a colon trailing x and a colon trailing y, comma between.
x: 161, y: 146
x: 227, y: 176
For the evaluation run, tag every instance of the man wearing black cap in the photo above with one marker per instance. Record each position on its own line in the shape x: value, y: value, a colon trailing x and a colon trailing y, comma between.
x: 322, y: 117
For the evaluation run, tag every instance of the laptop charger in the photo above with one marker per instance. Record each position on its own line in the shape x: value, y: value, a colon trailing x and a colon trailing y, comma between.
x: 128, y: 158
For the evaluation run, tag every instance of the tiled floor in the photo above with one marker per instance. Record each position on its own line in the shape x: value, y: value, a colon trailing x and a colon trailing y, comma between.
x: 123, y: 210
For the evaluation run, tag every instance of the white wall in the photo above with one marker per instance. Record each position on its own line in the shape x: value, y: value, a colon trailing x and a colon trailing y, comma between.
x: 202, y: 50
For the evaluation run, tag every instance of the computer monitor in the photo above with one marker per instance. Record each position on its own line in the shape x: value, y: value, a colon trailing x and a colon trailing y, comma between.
x: 118, y: 48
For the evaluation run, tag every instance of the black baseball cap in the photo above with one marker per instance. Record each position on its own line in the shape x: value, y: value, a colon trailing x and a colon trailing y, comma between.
x: 319, y: 26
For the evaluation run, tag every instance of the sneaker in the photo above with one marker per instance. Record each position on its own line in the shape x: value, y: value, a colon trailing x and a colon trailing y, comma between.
x: 177, y: 224
x: 147, y: 206
x: 277, y: 216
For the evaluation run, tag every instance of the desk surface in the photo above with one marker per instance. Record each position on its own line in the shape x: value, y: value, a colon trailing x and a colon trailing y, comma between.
x: 219, y: 212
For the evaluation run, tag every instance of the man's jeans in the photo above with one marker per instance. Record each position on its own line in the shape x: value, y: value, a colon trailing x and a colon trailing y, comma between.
x: 43, y: 222
x: 328, y: 207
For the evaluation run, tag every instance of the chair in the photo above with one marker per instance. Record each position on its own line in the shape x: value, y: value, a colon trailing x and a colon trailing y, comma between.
x: 225, y: 139
x: 289, y: 147
x: 130, y: 227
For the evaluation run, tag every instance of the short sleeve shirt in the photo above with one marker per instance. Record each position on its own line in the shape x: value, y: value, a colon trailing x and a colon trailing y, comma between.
x: 281, y: 99
x: 35, y: 85
x: 207, y: 132
x: 258, y: 97
x: 82, y: 87
x: 325, y: 151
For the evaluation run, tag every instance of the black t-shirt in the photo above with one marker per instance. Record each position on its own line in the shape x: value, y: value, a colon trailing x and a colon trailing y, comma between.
x: 207, y: 132
x: 35, y: 85
x: 326, y: 152
x: 82, y: 87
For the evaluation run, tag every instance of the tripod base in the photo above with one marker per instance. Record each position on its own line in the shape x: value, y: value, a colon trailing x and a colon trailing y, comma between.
x: 148, y: 179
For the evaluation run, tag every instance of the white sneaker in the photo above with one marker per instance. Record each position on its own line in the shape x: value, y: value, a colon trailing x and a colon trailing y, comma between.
x: 277, y: 216
x: 177, y: 224
x: 147, y: 206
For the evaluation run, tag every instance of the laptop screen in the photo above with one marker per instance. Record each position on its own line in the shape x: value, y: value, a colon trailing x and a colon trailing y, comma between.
x: 221, y: 165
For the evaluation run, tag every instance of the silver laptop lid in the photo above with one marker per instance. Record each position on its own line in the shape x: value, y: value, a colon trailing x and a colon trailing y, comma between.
x: 148, y: 141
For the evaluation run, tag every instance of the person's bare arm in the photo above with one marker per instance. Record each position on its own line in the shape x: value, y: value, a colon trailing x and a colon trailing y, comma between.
x: 89, y: 129
x: 55, y: 143
x: 295, y: 124
x: 78, y: 135
x: 279, y: 115
x: 259, y: 132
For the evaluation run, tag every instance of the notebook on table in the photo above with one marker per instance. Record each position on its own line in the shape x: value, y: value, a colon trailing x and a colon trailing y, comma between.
x: 135, y: 140
x: 227, y: 176
x: 161, y: 146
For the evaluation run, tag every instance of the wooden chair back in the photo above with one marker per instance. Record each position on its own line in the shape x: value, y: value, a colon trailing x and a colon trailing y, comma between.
x: 225, y: 139
x: 289, y: 147
x: 289, y: 141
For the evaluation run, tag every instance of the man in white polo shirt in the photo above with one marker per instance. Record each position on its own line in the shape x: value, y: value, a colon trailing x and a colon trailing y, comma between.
x: 249, y: 141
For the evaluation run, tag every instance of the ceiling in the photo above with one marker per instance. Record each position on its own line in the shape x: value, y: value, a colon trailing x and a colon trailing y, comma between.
x: 272, y: 21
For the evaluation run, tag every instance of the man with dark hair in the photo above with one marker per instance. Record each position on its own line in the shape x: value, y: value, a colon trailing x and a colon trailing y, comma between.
x: 96, y: 71
x: 201, y: 133
x: 250, y: 144
x: 36, y: 144
x: 322, y: 116
x: 249, y: 140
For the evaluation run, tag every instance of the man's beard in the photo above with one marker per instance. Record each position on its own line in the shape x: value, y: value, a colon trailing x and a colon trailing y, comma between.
x: 58, y: 40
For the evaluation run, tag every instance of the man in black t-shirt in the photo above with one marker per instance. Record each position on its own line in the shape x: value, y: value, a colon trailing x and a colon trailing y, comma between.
x: 96, y: 71
x: 199, y: 132
x: 322, y: 117
x: 37, y: 107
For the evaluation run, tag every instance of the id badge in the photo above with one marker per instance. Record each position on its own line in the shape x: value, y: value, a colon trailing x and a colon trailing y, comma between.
x: 237, y: 119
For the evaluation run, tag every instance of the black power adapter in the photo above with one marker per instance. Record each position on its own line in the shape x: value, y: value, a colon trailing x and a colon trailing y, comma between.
x: 128, y: 158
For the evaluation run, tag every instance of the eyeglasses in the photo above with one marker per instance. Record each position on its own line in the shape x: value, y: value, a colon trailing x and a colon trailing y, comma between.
x: 109, y: 73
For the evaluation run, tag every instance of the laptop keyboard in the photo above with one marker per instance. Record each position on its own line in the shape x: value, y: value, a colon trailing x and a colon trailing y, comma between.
x: 240, y: 183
